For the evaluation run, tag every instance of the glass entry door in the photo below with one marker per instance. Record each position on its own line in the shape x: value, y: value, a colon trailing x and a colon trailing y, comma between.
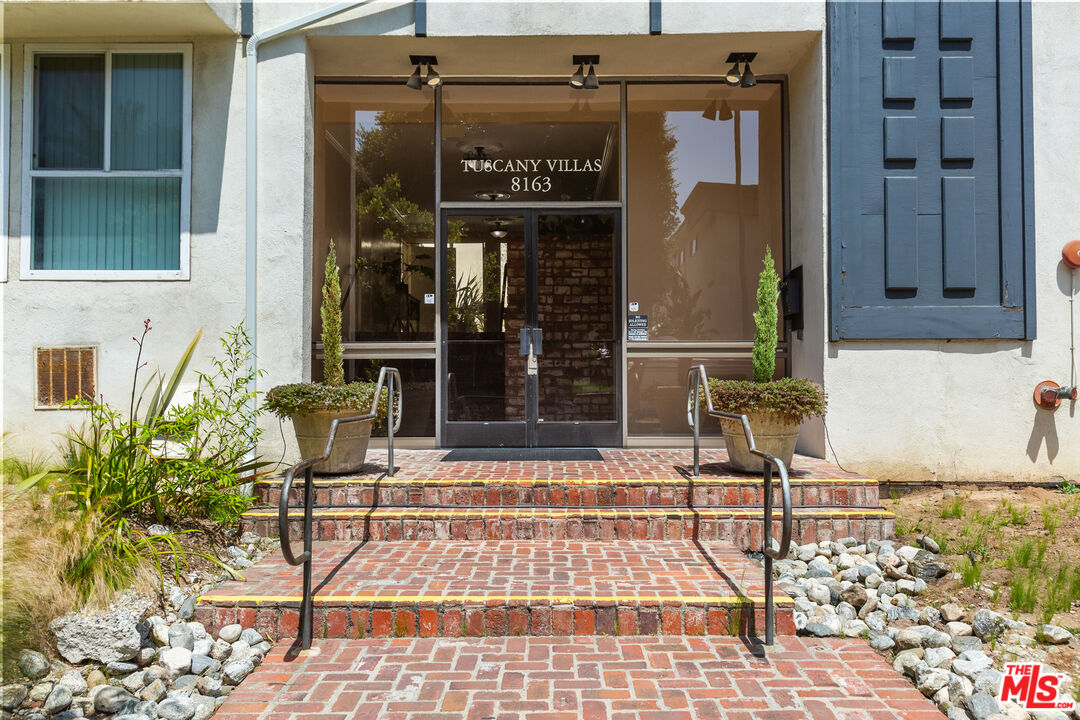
x: 530, y: 335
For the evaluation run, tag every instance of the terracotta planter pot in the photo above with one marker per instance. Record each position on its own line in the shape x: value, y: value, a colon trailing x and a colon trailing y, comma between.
x: 350, y: 446
x: 773, y: 434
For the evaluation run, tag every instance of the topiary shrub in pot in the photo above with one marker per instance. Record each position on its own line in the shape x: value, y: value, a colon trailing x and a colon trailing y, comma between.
x: 776, y: 409
x: 312, y: 407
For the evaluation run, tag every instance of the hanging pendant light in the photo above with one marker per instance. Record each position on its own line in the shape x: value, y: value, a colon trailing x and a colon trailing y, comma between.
x: 710, y: 110
x: 497, y: 231
x: 577, y: 80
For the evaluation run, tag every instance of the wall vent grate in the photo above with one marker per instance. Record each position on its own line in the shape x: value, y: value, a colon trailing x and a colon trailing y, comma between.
x: 64, y: 374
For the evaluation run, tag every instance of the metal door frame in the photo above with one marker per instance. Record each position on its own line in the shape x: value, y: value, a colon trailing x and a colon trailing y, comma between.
x: 531, y: 432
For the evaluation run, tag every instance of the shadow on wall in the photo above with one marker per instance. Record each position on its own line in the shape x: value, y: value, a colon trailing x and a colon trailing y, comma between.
x: 213, y: 65
x: 1043, y: 430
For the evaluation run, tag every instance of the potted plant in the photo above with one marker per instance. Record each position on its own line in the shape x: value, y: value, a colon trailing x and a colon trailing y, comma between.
x: 312, y: 407
x: 776, y: 408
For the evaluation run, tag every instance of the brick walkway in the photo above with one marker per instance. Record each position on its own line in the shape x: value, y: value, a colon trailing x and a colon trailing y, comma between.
x: 506, y: 588
x: 653, y: 678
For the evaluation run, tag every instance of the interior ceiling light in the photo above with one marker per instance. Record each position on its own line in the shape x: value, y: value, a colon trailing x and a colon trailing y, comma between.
x: 497, y: 230
x: 579, y: 80
x: 724, y: 113
x: 710, y: 110
x: 433, y: 77
x: 734, y: 76
x: 491, y: 195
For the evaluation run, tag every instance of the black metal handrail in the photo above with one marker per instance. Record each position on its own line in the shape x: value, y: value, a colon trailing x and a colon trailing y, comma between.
x: 391, y: 379
x: 697, y: 384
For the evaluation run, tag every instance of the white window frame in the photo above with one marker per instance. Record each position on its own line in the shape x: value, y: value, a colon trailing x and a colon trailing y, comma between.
x: 28, y: 173
x: 5, y: 143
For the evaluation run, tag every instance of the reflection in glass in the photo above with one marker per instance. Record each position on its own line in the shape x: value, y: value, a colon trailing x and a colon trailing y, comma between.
x: 656, y: 391
x: 576, y: 311
x: 374, y: 195
x: 485, y: 264
x: 704, y: 200
x: 418, y: 393
x: 530, y: 143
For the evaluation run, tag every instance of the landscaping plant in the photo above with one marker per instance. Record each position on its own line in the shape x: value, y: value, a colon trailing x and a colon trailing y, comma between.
x: 794, y: 399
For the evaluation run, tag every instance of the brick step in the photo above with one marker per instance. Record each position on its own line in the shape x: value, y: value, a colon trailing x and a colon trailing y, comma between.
x: 500, y: 588
x: 374, y: 490
x: 742, y: 527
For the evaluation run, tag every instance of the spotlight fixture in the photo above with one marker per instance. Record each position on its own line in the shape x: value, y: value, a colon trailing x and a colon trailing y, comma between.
x: 491, y: 195
x: 579, y: 80
x: 433, y: 77
x: 414, y: 79
x: 748, y: 79
x: 734, y: 76
x: 724, y: 113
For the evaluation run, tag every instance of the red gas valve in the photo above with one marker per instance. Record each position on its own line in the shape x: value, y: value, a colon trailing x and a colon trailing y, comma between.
x: 1048, y: 394
x: 1070, y: 254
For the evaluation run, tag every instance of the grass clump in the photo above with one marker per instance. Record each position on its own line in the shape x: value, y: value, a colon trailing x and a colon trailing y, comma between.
x: 953, y: 509
x: 76, y: 532
x: 970, y: 572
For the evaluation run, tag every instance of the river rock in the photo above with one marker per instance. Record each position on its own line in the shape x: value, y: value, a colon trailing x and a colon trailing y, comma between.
x: 819, y: 593
x: 59, y: 699
x: 39, y: 692
x: 230, y: 633
x: 939, y: 657
x: 220, y: 650
x: 957, y: 629
x: 855, y: 595
x: 208, y: 686
x: 926, y: 566
x: 112, y: 699
x: 73, y: 681
x: 12, y: 696
x: 201, y: 663
x: 251, y: 636
x: 32, y: 664
x: 951, y: 612
x: 971, y: 663
x: 180, y: 636
x: 882, y: 643
x: 154, y: 691
x: 1052, y: 635
x: 94, y: 678
x: 177, y: 660
x: 928, y: 542
x: 988, y: 624
x: 176, y: 708
x: 103, y: 638
x: 930, y: 681
x: 982, y: 706
x: 234, y: 672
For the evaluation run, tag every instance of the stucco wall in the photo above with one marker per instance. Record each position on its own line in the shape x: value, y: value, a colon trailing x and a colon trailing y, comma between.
x: 963, y: 409
x: 107, y: 314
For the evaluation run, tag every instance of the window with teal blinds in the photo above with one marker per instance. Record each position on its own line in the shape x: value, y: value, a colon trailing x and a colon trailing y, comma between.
x: 107, y: 171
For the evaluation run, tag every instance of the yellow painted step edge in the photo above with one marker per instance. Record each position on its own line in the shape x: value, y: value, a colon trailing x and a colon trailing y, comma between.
x: 552, y: 599
x: 660, y: 510
x: 561, y: 481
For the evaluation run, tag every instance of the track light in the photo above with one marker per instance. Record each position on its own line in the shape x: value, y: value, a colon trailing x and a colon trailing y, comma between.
x: 591, y: 83
x: 433, y: 79
x: 724, y: 113
x: 748, y: 79
x: 577, y: 80
x: 733, y: 77
x: 414, y: 79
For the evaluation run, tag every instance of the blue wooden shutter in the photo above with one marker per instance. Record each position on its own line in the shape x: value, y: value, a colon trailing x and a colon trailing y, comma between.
x: 930, y: 170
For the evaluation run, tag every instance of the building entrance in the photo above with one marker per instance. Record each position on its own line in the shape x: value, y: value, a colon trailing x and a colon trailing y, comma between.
x: 531, y: 342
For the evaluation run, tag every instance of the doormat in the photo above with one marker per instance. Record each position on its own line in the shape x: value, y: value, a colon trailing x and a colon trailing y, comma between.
x: 528, y: 454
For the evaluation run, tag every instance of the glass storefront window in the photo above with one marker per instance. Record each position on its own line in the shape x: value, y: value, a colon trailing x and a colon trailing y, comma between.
x: 375, y: 197
x: 418, y: 388
x: 705, y: 198
x: 530, y: 143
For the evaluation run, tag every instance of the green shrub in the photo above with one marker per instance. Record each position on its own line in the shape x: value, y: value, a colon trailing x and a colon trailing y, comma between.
x: 765, y: 320
x: 795, y: 398
x: 330, y: 312
x: 297, y: 398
